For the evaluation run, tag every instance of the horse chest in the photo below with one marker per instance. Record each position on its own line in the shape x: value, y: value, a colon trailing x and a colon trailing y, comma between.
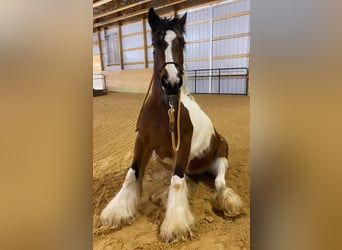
x: 203, y: 129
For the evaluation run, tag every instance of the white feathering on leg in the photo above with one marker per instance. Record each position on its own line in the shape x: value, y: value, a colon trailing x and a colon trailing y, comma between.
x: 228, y: 201
x: 121, y: 209
x: 178, y: 219
x: 225, y: 199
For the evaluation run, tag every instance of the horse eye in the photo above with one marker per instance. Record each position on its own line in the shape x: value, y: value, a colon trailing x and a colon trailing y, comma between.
x: 156, y: 43
x: 182, y: 43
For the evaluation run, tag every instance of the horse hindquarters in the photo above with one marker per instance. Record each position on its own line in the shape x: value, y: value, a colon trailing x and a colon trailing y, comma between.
x: 122, y: 208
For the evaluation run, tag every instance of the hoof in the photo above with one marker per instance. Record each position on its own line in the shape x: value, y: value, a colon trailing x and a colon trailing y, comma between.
x: 178, y: 219
x: 115, y: 220
x: 227, y: 201
x: 169, y: 232
x: 121, y: 209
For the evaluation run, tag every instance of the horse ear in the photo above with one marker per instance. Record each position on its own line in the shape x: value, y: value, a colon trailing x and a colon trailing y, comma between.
x: 182, y: 20
x: 153, y: 19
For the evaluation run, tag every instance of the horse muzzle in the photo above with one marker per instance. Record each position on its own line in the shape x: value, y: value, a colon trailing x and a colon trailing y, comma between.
x: 172, y: 88
x: 171, y: 78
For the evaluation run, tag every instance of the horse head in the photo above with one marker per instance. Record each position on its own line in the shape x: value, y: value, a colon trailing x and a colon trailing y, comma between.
x: 168, y: 43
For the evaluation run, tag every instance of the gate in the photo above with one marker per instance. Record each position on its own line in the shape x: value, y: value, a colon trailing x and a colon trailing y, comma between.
x: 219, y: 81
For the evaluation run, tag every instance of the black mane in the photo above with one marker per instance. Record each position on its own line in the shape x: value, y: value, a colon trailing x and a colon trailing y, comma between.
x: 168, y: 23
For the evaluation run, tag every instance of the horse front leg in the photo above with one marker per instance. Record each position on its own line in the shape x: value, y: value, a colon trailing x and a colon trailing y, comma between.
x: 122, y: 208
x: 178, y: 219
x: 225, y: 198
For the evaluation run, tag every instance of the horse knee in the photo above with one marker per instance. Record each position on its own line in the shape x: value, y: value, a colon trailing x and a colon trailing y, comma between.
x: 179, y: 171
x: 218, y: 169
x: 135, y: 167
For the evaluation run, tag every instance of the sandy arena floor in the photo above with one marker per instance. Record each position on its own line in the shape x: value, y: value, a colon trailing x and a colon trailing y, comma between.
x: 114, y: 117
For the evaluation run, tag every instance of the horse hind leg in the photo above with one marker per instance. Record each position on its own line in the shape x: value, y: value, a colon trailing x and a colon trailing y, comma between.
x: 225, y: 199
x: 122, y: 208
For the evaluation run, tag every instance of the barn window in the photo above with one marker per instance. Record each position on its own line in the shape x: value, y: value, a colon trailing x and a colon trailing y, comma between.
x: 113, y: 53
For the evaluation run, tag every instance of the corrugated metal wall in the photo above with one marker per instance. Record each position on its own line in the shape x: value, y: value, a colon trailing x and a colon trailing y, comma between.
x: 104, y: 33
x: 132, y: 45
x: 217, y: 36
x: 198, y: 33
x: 149, y: 45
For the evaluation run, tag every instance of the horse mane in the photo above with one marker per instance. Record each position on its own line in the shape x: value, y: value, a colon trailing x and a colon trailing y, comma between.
x: 169, y: 23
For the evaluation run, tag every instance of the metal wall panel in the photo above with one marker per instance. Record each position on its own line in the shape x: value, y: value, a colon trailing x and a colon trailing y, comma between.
x: 197, y: 65
x: 215, y: 85
x: 148, y: 43
x: 197, y: 32
x: 96, y: 49
x: 132, y: 42
x: 109, y: 30
x: 197, y: 15
x: 233, y: 86
x: 148, y: 38
x: 232, y: 46
x: 231, y: 26
x: 95, y: 37
x: 231, y: 8
x: 201, y: 85
x: 112, y: 67
x: 147, y: 25
x: 133, y: 56
x: 113, y: 53
x: 135, y: 66
x: 131, y: 28
x: 222, y: 85
x: 197, y: 50
x: 190, y: 84
x: 150, y: 54
x: 231, y: 63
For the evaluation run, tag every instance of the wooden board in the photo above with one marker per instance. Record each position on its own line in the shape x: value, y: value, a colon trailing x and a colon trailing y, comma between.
x: 130, y: 80
x: 96, y: 64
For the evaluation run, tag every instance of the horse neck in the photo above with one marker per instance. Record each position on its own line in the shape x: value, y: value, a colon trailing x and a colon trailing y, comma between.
x: 157, y: 92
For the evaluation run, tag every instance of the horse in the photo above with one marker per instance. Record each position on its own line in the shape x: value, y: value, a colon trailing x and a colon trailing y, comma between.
x: 172, y: 126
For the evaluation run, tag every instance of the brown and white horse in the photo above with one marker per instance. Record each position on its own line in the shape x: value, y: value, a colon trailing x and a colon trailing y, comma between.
x: 201, y: 147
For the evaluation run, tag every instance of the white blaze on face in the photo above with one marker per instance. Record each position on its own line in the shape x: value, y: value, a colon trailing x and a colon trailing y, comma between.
x: 170, y: 68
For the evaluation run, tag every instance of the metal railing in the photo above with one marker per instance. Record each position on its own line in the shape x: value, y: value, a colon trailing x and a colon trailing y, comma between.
x: 219, y: 77
x: 99, y: 84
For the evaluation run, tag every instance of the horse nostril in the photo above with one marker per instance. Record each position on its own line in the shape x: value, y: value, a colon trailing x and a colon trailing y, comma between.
x: 180, y: 83
x: 164, y: 82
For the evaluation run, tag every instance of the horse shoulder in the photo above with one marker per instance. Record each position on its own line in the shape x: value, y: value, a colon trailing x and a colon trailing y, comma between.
x: 203, y: 129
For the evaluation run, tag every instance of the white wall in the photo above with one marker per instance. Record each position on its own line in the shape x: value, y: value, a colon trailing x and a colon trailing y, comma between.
x: 218, y: 27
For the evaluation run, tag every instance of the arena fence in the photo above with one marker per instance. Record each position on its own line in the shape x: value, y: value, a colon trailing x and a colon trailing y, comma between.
x: 219, y: 81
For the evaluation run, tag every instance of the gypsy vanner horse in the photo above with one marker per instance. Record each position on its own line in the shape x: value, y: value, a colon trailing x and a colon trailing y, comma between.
x: 172, y: 126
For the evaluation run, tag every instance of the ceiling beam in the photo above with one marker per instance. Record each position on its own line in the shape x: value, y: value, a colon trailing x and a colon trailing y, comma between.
x: 137, y: 13
x: 101, y: 2
x: 120, y: 9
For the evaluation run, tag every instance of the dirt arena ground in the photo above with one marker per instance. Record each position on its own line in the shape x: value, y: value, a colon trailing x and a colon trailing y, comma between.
x: 114, y: 117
